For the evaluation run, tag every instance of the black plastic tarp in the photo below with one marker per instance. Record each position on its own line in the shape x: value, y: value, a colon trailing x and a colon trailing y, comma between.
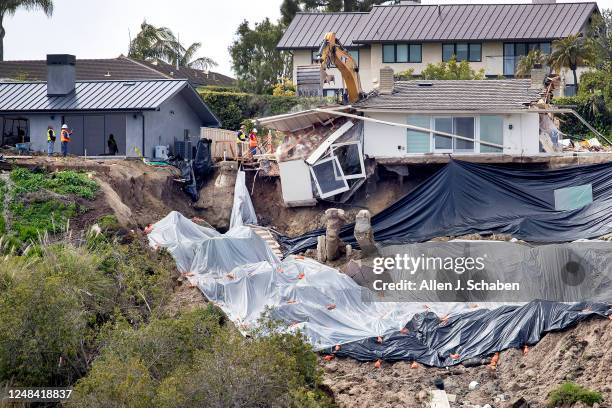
x: 471, y: 335
x: 464, y: 198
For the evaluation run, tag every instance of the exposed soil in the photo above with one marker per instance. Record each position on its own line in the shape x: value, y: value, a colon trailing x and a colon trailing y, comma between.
x: 138, y: 194
x: 581, y: 354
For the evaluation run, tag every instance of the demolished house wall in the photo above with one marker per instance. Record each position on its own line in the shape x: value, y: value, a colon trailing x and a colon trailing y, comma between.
x: 520, y: 132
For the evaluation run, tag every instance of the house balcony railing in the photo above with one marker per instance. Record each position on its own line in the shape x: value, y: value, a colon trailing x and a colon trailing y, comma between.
x: 501, y: 65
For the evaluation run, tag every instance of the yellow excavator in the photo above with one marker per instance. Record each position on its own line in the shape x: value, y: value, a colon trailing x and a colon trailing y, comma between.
x: 333, y: 53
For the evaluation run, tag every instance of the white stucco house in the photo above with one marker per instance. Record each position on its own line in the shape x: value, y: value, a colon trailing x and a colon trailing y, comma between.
x: 491, y: 117
x: 140, y: 114
x: 408, y: 35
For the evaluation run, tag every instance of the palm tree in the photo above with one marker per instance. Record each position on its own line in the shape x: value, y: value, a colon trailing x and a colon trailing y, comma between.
x: 9, y: 7
x: 570, y: 52
x: 153, y: 43
x: 527, y: 62
x: 186, y: 58
x: 159, y: 43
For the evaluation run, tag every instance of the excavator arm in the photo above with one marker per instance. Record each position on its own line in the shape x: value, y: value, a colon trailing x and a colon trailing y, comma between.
x: 332, y: 52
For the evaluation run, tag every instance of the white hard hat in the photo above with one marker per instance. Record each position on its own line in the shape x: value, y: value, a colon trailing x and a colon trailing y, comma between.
x: 255, y: 130
x: 64, y: 126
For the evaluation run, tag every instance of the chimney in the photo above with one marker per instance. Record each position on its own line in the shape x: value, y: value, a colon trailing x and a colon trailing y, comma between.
x: 386, y: 81
x: 538, y: 75
x: 61, y: 74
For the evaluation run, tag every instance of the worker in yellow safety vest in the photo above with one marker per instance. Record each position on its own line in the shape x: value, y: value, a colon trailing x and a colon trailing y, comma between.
x: 65, y: 139
x: 50, y: 140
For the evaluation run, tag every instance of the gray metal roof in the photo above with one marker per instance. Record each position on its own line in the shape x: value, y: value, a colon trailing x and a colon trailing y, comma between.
x: 466, y: 22
x: 308, y: 29
x: 100, y: 96
x: 455, y: 95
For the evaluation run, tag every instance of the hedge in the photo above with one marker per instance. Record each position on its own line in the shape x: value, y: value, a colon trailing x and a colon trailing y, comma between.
x: 233, y: 107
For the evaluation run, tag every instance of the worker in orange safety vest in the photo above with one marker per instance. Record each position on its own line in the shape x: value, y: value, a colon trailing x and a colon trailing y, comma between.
x: 65, y: 139
x: 253, y: 141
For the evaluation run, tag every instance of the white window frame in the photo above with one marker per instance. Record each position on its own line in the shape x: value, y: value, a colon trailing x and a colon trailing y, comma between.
x: 452, y: 150
x: 350, y: 176
x: 342, y: 177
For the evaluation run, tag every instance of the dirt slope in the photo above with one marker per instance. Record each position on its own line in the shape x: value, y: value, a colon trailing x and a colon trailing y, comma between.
x: 581, y: 354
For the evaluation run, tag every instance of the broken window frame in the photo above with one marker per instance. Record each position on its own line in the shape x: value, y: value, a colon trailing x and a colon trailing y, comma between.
x: 336, y: 167
x: 361, y: 162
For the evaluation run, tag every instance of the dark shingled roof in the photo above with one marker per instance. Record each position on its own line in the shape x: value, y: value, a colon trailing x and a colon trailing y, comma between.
x: 119, y: 69
x: 195, y: 76
x: 466, y: 22
x: 455, y: 95
x: 113, y: 69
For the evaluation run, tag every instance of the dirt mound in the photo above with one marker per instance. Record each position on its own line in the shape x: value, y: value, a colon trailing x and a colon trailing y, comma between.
x: 581, y: 354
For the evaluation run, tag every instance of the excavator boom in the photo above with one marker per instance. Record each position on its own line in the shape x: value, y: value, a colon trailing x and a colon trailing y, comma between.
x: 332, y: 52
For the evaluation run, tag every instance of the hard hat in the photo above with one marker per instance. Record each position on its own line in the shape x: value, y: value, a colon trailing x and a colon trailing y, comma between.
x: 64, y: 126
x: 255, y: 130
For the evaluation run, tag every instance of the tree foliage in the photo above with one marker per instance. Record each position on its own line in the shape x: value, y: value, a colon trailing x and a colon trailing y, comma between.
x: 290, y: 7
x: 569, y: 53
x: 159, y: 43
x: 600, y: 40
x: 255, y: 59
x: 451, y: 70
x: 233, y: 107
x: 527, y: 62
x: 9, y: 7
x: 197, y: 360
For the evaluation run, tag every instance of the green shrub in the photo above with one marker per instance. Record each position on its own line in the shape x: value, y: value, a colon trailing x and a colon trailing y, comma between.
x: 48, y: 310
x: 33, y: 219
x: 3, y: 192
x: 592, y: 108
x: 569, y: 393
x: 54, y: 305
x: 233, y: 107
x: 61, y: 182
x: 196, y: 360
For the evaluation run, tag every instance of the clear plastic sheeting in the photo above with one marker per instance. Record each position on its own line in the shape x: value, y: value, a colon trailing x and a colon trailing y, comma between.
x: 200, y: 250
x: 242, y: 211
x: 239, y: 273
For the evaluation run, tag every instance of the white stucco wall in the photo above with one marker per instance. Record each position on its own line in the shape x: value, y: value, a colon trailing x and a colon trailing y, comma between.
x: 168, y: 124
x: 381, y: 140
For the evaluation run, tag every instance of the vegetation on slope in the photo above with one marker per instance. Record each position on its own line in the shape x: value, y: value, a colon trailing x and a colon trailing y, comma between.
x: 97, y: 314
x: 42, y: 203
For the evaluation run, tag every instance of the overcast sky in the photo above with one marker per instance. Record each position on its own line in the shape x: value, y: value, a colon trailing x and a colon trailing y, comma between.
x: 101, y: 28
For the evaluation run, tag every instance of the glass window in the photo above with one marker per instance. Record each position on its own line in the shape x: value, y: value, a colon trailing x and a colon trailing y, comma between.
x: 415, y: 53
x: 313, y: 58
x: 534, y: 46
x: 545, y: 48
x: 418, y: 142
x: 355, y: 55
x: 443, y: 125
x: 475, y: 52
x: 402, y: 53
x: 520, y: 49
x: 448, y: 50
x: 464, y: 127
x: 491, y: 130
x: 389, y: 53
x: 461, y: 51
